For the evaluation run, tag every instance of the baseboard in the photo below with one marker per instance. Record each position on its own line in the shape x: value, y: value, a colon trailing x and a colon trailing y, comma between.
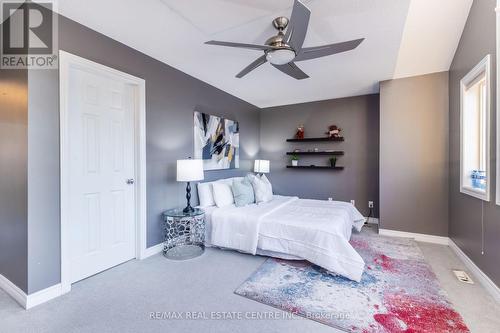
x: 418, y: 237
x: 13, y: 291
x: 151, y: 251
x: 480, y: 276
x: 32, y: 300
x: 43, y: 296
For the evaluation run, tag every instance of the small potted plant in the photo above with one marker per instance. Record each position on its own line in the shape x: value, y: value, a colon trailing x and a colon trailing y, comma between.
x: 333, y: 161
x: 295, y: 160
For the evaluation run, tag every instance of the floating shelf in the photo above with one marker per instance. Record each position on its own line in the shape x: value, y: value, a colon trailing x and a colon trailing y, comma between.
x: 316, y: 140
x: 321, y: 153
x: 315, y: 167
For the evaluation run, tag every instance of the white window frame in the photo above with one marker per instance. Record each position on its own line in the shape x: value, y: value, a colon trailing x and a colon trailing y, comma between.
x: 498, y: 102
x: 483, y: 66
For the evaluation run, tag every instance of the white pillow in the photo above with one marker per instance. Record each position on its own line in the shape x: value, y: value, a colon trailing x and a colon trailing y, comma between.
x: 205, y: 195
x: 223, y: 195
x: 262, y: 188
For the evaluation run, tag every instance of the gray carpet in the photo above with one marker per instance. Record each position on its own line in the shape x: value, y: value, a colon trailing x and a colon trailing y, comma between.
x: 121, y: 299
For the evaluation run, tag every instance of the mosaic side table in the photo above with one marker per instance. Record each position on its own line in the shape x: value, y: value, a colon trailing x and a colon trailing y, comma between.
x: 183, y: 234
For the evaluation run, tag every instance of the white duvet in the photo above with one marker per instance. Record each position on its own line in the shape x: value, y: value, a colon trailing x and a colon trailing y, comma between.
x: 314, y: 230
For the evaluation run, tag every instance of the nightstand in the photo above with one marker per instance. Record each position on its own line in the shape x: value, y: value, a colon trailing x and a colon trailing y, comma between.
x: 183, y: 234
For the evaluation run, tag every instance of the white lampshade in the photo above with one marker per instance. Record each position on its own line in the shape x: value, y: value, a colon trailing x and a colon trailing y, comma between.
x: 261, y: 166
x: 189, y: 170
x: 280, y: 57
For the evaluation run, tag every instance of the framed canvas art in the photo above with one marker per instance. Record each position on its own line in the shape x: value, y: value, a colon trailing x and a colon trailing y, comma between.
x: 216, y: 142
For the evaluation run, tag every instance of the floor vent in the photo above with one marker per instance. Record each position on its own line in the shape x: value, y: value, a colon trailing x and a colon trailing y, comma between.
x: 463, y: 277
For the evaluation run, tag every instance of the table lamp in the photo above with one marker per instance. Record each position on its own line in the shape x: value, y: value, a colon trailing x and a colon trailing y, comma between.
x: 261, y: 166
x: 189, y: 170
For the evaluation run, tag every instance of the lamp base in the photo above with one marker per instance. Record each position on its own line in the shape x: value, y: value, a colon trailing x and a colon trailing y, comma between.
x: 188, y: 209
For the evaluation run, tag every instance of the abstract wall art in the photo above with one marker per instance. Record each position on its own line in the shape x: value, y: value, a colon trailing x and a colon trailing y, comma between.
x: 216, y: 142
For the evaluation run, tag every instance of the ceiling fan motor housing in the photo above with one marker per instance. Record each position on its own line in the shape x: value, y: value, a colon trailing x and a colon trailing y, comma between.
x: 278, y: 41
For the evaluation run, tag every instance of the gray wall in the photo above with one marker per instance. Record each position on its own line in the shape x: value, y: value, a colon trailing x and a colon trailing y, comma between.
x: 359, y: 119
x: 477, y: 41
x: 414, y: 154
x: 43, y: 180
x: 171, y: 98
x: 13, y: 176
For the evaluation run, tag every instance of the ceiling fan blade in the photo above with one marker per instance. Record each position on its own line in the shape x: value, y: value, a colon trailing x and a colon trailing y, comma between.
x: 240, y: 45
x: 292, y: 70
x: 297, y: 28
x: 326, y: 50
x: 260, y: 61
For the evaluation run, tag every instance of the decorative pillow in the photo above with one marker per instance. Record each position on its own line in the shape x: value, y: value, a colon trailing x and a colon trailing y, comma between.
x: 262, y: 188
x: 205, y: 195
x: 243, y: 192
x: 223, y: 195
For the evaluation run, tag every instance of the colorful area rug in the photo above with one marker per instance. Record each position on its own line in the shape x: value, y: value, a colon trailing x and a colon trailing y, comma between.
x: 398, y: 292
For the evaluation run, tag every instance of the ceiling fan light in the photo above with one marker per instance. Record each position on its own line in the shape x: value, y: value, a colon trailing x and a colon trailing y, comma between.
x: 280, y: 56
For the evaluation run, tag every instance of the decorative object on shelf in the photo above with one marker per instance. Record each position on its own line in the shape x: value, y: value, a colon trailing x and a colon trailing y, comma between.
x: 296, y: 150
x: 261, y: 166
x: 189, y: 170
x: 300, y: 132
x: 316, y: 150
x: 216, y: 142
x: 295, y: 160
x: 333, y: 162
x: 183, y: 233
x: 334, y: 132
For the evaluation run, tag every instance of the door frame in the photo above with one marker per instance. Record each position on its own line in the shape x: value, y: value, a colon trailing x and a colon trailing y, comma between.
x: 66, y: 62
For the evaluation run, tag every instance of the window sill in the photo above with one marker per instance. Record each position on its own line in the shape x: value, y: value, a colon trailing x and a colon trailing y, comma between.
x: 476, y: 193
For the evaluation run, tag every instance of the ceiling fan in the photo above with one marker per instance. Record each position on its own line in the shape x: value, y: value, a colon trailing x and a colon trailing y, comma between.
x: 284, y: 49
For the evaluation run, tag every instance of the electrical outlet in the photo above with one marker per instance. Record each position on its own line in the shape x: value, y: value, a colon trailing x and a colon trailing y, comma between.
x: 353, y: 202
x: 463, y: 277
x: 330, y: 199
x: 370, y: 204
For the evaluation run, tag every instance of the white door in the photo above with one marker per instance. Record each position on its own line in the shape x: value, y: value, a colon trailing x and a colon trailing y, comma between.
x: 101, y: 170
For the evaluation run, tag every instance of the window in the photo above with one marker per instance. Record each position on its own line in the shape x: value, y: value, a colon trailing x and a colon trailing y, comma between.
x: 475, y: 131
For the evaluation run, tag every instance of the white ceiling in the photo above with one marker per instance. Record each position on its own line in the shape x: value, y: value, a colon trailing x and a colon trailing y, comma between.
x: 403, y: 38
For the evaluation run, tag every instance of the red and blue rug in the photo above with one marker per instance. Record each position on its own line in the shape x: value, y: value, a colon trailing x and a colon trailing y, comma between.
x: 398, y: 292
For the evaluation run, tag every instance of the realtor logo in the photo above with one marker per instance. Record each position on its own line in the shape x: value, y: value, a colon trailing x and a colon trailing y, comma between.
x: 29, y: 38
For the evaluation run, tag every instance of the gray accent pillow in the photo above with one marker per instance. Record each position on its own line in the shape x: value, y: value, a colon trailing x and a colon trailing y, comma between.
x: 243, y: 192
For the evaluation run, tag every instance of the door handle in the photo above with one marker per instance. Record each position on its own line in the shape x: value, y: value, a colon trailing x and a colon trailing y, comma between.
x: 130, y: 181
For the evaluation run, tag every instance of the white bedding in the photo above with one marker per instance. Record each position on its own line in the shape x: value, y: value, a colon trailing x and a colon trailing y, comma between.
x: 288, y: 227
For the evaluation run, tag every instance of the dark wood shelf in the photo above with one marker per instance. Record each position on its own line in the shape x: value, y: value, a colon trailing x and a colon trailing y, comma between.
x: 315, y: 167
x: 321, y: 153
x: 326, y: 139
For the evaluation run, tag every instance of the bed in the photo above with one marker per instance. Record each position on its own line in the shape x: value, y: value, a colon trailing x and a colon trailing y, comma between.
x: 291, y: 228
